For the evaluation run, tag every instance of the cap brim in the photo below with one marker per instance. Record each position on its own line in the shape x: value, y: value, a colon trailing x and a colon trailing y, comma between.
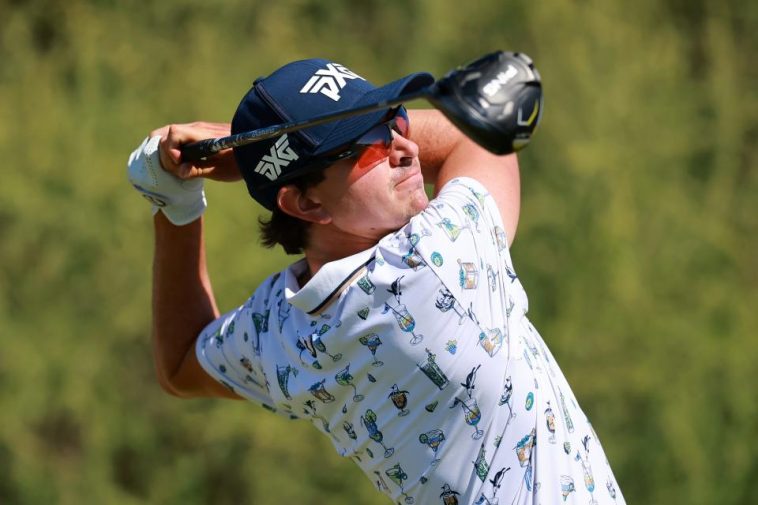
x: 353, y: 127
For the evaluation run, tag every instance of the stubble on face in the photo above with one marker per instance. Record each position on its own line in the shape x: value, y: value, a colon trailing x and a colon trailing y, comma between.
x: 381, y: 200
x: 411, y: 194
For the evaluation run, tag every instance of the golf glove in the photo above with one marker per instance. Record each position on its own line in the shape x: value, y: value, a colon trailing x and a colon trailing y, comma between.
x: 181, y: 201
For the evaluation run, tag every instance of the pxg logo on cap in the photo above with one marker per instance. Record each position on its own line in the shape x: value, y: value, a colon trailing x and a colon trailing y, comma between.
x: 279, y: 157
x: 330, y: 80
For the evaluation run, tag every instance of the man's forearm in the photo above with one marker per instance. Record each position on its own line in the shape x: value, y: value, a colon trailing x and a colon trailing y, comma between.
x: 436, y: 138
x: 183, y: 302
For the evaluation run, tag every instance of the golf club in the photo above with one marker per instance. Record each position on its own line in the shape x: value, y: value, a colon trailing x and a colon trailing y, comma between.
x: 495, y: 100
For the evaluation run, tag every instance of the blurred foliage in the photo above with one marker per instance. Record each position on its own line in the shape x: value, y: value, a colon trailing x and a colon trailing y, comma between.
x: 637, y: 243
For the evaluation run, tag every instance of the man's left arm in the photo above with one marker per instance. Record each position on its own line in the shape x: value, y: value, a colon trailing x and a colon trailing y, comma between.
x: 446, y: 153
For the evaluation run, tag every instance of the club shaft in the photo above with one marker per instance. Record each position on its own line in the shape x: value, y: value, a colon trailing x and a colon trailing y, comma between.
x: 203, y: 149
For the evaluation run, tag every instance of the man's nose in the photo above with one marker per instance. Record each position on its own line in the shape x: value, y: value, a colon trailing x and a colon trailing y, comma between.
x: 402, y: 152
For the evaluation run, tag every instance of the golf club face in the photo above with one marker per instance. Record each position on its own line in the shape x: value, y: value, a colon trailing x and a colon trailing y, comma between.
x: 495, y: 100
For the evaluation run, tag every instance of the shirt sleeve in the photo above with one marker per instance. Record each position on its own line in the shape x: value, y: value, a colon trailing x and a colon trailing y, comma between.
x: 227, y: 351
x: 468, y: 250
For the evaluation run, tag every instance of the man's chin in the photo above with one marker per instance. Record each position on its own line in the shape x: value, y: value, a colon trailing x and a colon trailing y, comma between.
x: 419, y: 202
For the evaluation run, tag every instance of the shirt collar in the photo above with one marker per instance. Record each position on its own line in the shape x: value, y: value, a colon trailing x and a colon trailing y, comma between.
x: 324, y: 287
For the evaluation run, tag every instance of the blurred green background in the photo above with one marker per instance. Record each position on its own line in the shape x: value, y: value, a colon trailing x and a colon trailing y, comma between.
x: 637, y: 243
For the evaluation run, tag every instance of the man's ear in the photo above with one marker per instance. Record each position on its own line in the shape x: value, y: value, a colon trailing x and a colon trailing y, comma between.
x: 298, y: 204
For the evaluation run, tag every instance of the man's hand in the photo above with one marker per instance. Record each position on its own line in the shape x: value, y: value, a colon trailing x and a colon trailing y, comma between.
x: 221, y: 167
x: 181, y: 201
x: 174, y: 187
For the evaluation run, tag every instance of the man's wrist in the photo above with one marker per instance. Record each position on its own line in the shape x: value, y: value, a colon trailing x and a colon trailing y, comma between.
x: 181, y: 201
x: 185, y: 214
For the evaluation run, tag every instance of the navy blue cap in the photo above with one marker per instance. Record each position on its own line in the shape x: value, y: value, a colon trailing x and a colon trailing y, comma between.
x: 302, y: 90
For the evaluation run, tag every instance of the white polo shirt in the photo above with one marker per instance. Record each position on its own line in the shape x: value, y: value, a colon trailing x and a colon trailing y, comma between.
x: 416, y: 359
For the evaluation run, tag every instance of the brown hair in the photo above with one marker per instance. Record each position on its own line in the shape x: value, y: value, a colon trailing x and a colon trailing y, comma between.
x: 288, y: 231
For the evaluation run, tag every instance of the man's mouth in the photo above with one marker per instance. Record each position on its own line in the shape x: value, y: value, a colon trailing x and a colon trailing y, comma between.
x: 408, y: 174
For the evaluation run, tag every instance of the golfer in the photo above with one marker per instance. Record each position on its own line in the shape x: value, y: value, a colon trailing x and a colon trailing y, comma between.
x: 402, y: 334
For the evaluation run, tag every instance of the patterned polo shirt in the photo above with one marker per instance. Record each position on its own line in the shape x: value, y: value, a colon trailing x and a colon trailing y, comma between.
x: 417, y: 360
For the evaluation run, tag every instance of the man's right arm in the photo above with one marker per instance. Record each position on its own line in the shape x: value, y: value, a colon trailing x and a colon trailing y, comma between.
x: 446, y: 153
x: 183, y: 304
x: 183, y: 301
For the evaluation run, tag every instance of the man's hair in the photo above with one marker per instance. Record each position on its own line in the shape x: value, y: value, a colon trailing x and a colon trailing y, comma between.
x: 290, y: 232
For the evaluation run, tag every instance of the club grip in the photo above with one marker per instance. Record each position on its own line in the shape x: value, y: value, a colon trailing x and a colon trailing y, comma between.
x: 198, y: 151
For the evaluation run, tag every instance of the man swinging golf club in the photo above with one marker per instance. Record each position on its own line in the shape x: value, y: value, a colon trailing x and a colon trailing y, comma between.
x: 454, y: 402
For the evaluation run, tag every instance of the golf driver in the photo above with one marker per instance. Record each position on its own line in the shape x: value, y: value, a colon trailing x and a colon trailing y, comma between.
x: 495, y: 100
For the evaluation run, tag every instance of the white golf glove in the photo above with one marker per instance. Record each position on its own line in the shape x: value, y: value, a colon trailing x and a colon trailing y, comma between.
x: 181, y: 201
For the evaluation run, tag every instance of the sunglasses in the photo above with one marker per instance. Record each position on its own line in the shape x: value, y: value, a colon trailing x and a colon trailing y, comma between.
x: 375, y: 145
x: 370, y: 149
